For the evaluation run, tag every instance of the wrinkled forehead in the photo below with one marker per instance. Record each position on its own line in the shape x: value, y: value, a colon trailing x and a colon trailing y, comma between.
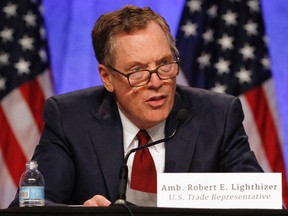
x: 143, y: 45
x: 150, y: 38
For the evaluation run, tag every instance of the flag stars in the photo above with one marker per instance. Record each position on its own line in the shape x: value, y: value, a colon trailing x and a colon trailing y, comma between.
x: 22, y: 66
x: 244, y: 76
x: 10, y: 10
x: 253, y: 5
x: 230, y: 18
x: 265, y: 39
x: 194, y: 5
x: 43, y: 55
x: 26, y: 43
x: 212, y: 11
x: 219, y: 88
x: 265, y: 62
x: 222, y: 66
x: 2, y: 83
x: 42, y: 33
x: 41, y: 9
x: 30, y: 19
x: 204, y: 60
x: 189, y: 29
x: 6, y: 34
x: 231, y: 45
x: 251, y: 28
x: 4, y: 59
x: 208, y: 36
x: 226, y: 42
x: 247, y: 52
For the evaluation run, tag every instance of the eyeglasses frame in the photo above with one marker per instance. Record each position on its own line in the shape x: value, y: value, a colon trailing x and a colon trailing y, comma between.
x: 127, y: 75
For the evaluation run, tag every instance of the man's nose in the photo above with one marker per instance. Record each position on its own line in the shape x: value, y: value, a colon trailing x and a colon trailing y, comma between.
x: 155, y: 80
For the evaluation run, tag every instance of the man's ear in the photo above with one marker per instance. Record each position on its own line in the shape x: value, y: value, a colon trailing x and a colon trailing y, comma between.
x: 106, y: 77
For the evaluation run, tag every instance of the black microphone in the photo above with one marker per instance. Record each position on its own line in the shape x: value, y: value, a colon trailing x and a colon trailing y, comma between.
x: 123, y: 177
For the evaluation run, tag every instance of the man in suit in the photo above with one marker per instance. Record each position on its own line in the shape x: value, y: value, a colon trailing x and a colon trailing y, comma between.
x: 88, y: 132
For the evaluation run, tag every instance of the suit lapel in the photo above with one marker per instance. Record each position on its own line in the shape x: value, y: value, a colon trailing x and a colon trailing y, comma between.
x: 180, y: 149
x: 109, y: 145
x: 107, y: 140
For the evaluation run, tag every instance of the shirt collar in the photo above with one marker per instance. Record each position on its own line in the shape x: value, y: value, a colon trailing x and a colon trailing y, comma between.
x: 130, y: 131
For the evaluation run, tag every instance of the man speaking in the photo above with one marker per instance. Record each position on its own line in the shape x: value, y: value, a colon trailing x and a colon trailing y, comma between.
x: 88, y: 132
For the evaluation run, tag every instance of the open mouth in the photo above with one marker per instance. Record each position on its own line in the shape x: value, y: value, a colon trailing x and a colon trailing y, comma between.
x: 156, y: 101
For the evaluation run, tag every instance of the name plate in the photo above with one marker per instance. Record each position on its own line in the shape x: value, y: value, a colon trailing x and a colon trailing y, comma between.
x: 220, y: 190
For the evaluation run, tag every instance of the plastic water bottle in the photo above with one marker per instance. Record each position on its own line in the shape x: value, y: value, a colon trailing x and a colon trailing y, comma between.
x: 31, y: 186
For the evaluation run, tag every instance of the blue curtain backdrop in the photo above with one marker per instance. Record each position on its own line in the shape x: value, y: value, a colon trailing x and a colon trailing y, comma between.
x: 69, y: 23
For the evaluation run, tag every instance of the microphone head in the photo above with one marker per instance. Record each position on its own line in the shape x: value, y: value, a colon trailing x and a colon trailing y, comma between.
x: 181, y: 115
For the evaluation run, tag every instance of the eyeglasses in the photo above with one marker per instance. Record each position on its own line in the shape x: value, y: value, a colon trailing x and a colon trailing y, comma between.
x: 142, y: 77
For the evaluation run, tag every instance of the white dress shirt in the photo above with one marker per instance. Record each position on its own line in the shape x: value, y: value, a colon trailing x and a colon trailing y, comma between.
x: 157, y: 152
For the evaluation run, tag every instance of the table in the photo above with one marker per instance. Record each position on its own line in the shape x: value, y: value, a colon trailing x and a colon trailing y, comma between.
x: 135, y: 210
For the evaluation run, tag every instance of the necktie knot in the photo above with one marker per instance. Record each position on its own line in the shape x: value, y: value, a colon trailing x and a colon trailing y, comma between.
x: 143, y: 137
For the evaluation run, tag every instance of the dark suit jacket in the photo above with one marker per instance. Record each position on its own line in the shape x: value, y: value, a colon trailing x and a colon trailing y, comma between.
x: 81, y: 148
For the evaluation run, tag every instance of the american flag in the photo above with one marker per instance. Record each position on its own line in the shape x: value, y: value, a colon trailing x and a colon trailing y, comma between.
x: 25, y: 83
x: 223, y: 48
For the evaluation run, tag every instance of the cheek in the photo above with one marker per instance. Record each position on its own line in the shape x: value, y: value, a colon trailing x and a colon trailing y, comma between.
x: 134, y: 100
x: 128, y: 98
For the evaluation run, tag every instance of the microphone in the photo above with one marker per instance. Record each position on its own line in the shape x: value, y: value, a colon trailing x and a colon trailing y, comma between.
x: 123, y: 177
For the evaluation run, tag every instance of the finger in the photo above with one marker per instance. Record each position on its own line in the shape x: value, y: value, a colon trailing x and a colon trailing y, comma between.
x: 97, y: 200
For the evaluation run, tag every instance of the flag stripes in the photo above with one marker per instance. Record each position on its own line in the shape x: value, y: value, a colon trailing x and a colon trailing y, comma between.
x: 223, y: 48
x: 32, y: 94
x: 25, y: 83
x: 12, y: 153
x: 266, y: 128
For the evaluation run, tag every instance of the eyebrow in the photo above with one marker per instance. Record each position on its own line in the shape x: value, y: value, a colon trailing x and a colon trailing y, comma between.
x: 135, y: 63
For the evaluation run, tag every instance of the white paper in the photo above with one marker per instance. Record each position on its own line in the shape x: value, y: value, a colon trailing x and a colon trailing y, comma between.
x: 220, y: 190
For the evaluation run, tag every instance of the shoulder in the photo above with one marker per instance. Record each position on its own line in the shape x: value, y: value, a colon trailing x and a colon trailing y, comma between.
x: 96, y: 91
x: 80, y: 99
x: 206, y: 102
x: 201, y: 95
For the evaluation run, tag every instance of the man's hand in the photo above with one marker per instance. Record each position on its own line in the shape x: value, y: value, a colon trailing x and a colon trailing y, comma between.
x: 97, y: 200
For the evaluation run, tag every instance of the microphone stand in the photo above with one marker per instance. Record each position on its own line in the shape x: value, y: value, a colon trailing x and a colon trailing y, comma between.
x: 123, y: 177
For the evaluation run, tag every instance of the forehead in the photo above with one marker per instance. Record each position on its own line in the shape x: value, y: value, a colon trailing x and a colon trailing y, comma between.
x: 144, y: 45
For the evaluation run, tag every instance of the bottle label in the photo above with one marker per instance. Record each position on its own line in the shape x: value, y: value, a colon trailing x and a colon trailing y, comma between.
x: 34, y: 192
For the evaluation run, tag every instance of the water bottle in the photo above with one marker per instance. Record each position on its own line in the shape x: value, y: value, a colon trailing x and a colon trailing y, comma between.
x: 31, y: 186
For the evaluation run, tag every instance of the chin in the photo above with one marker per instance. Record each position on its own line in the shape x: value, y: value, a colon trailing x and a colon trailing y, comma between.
x: 156, y: 117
